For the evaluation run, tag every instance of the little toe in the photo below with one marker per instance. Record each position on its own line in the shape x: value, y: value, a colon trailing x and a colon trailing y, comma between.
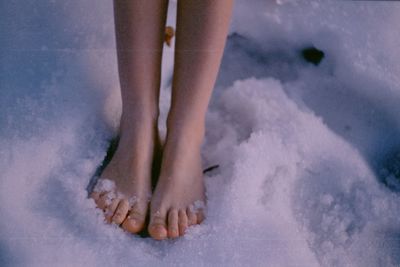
x: 173, y: 219
x: 135, y: 221
x: 121, y: 212
x: 95, y: 196
x: 100, y: 199
x: 200, y: 216
x: 183, y: 222
x: 110, y: 210
x: 157, y: 227
x: 192, y: 217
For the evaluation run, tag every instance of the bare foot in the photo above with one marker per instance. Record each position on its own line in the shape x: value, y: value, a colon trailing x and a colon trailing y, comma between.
x: 123, y: 191
x: 178, y: 200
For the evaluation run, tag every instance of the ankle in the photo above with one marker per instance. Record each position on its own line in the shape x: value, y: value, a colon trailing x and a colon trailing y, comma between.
x: 140, y: 113
x: 135, y: 118
x: 185, y: 124
x: 185, y: 134
x: 138, y: 130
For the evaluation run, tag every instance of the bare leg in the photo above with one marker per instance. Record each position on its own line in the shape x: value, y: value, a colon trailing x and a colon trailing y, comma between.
x: 202, y: 27
x: 139, y: 34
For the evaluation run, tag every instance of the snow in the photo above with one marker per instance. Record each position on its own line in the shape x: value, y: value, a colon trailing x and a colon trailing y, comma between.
x: 308, y: 154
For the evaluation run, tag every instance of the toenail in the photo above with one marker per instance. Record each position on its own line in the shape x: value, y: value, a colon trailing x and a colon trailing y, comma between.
x: 174, y: 233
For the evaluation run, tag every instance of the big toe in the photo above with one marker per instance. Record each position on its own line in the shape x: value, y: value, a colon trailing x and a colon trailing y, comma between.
x: 157, y: 227
x: 135, y: 221
x: 158, y: 231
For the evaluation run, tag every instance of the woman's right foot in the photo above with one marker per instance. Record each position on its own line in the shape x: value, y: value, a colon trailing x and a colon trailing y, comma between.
x: 124, y: 188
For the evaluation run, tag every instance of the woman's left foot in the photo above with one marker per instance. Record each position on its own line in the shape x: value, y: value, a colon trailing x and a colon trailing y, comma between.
x: 178, y: 200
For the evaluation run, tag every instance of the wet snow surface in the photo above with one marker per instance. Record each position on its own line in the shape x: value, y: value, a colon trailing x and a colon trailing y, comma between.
x: 309, y: 152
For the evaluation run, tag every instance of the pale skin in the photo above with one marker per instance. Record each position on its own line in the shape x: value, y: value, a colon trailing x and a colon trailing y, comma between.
x: 202, y: 27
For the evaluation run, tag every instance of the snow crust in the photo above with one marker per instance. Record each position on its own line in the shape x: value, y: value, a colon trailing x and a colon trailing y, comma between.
x: 308, y: 155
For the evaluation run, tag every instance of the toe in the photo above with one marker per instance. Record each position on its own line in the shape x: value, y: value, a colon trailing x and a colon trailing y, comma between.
x: 192, y: 218
x: 157, y: 226
x: 135, y: 221
x: 183, y: 222
x: 200, y: 216
x: 110, y: 210
x: 173, y: 228
x: 121, y: 212
x: 100, y: 199
x: 95, y: 196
